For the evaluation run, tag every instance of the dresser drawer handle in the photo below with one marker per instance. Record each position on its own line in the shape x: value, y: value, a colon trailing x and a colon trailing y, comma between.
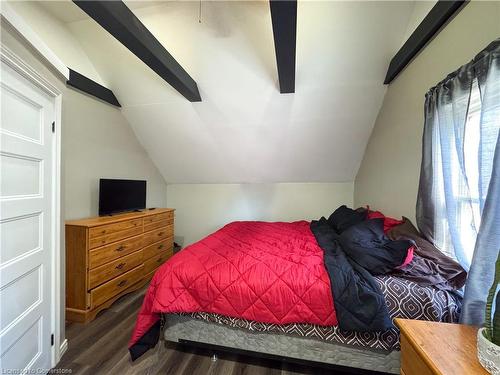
x: 160, y: 247
x: 122, y: 283
x: 103, y: 231
x: 159, y: 260
x: 160, y: 234
x: 121, y: 248
x: 120, y: 266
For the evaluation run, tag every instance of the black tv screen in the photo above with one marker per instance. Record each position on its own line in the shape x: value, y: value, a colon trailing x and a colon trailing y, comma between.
x: 121, y: 195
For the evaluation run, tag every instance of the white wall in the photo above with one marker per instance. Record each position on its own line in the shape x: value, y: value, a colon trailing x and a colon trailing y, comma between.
x: 98, y: 142
x: 57, y: 36
x: 389, y: 174
x: 203, y: 208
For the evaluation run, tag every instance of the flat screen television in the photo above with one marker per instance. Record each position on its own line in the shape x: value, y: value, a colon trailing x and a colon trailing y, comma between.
x: 121, y: 196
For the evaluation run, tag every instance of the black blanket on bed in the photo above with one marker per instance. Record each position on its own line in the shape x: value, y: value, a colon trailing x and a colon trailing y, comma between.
x: 355, y: 249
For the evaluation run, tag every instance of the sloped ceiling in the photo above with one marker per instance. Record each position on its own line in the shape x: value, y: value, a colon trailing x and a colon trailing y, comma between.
x: 244, y: 130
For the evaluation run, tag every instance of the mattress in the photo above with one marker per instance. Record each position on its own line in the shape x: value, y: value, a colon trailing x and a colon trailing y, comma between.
x: 404, y: 299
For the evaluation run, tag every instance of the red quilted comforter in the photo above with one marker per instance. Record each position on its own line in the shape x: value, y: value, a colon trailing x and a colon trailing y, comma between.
x: 265, y: 272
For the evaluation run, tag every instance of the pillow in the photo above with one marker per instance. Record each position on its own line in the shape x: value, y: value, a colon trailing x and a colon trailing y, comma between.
x: 389, y: 222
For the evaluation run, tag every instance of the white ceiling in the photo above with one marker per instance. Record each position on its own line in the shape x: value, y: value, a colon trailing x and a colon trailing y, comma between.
x: 244, y: 130
x: 66, y: 11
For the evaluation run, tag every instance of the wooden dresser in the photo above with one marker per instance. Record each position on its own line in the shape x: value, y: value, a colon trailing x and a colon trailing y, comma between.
x: 109, y: 256
x: 432, y: 348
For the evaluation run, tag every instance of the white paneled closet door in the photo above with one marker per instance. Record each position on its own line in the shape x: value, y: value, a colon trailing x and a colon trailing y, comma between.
x: 26, y: 223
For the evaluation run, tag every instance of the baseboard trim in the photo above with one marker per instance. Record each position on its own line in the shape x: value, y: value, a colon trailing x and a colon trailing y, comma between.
x: 63, y: 348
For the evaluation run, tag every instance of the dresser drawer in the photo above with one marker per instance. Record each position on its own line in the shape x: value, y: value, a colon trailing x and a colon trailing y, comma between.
x: 158, y: 235
x: 159, y: 217
x: 113, y: 237
x: 158, y: 247
x: 110, y: 289
x: 100, y: 275
x: 113, y: 228
x: 411, y: 361
x: 105, y: 254
x: 158, y: 224
x: 152, y: 264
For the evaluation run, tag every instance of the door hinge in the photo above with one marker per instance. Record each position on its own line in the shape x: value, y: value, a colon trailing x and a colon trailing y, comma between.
x: 53, y: 126
x: 52, y: 340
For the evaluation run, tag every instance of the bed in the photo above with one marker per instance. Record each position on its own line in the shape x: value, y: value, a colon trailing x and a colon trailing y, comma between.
x: 375, y: 351
x: 266, y: 288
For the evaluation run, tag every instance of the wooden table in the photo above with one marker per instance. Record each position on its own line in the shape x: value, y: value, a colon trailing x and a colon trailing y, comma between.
x: 429, y: 348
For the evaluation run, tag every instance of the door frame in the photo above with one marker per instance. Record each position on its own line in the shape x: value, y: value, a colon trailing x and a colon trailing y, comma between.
x: 15, y: 62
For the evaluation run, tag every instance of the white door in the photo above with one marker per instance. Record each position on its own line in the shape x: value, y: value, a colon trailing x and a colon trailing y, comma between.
x: 26, y: 238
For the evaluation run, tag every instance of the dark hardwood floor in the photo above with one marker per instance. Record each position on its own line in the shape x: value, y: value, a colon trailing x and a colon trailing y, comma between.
x: 100, y: 347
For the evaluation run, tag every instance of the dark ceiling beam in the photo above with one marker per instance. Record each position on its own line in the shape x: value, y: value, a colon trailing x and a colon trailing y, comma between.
x: 119, y: 21
x: 284, y: 20
x: 88, y: 86
x: 430, y: 26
